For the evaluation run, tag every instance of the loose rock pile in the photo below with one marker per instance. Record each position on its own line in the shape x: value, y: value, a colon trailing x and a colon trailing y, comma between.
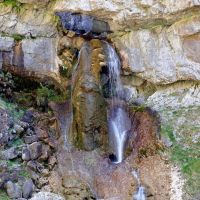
x: 27, y: 146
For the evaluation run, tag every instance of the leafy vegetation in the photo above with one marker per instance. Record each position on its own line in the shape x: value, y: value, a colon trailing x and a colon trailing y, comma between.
x: 11, y: 108
x: 51, y: 94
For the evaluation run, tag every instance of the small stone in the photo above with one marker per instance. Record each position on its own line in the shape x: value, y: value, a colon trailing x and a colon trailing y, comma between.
x: 28, y: 188
x: 13, y: 190
x: 18, y: 129
x: 29, y: 132
x: 30, y: 139
x: 46, y: 152
x: 52, y: 162
x: 41, y: 134
x: 28, y: 117
x: 42, y: 182
x: 26, y: 155
x: 35, y: 150
x: 10, y: 154
x: 35, y: 166
x: 45, y: 172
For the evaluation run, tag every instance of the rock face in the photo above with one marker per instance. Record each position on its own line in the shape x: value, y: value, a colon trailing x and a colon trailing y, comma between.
x: 169, y: 56
x: 89, y: 124
x: 29, y: 21
x: 128, y: 14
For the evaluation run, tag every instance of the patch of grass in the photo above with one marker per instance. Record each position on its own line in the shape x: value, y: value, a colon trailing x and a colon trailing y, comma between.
x: 17, y: 142
x: 187, y: 156
x: 12, y: 109
x: 168, y: 132
x: 24, y: 174
x: 138, y: 108
x: 13, y: 163
x: 3, y: 195
x: 14, y: 4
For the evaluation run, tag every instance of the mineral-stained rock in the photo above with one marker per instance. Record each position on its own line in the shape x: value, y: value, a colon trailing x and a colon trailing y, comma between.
x: 89, y: 126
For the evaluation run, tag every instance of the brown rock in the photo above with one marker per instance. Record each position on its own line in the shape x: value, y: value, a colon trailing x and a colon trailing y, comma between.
x: 191, y: 45
x: 89, y: 125
x: 41, y: 134
x: 46, y: 152
x: 35, y: 150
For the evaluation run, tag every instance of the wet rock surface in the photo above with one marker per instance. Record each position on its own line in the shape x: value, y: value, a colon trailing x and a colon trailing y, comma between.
x: 89, y: 126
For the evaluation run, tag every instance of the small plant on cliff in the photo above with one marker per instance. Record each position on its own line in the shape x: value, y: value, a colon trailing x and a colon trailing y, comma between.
x: 18, y: 37
x: 50, y: 94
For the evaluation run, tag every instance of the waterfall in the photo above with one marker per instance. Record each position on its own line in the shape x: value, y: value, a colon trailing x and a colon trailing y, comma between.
x: 140, y: 194
x: 118, y: 119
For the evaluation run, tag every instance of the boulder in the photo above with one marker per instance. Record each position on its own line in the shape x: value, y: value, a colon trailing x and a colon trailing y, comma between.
x: 35, y: 150
x: 28, y: 188
x: 13, y: 190
x: 26, y: 155
x: 10, y: 153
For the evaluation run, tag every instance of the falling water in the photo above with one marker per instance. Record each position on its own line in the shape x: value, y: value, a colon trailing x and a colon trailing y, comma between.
x: 118, y: 119
x: 140, y: 194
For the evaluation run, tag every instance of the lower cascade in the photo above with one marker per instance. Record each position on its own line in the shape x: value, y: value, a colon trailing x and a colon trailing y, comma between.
x: 140, y: 194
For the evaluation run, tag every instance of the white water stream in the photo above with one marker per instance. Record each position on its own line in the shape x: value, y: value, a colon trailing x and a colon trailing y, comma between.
x: 140, y: 194
x: 118, y: 119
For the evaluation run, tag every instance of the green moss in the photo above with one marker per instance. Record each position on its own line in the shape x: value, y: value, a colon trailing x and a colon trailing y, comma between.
x: 3, y: 195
